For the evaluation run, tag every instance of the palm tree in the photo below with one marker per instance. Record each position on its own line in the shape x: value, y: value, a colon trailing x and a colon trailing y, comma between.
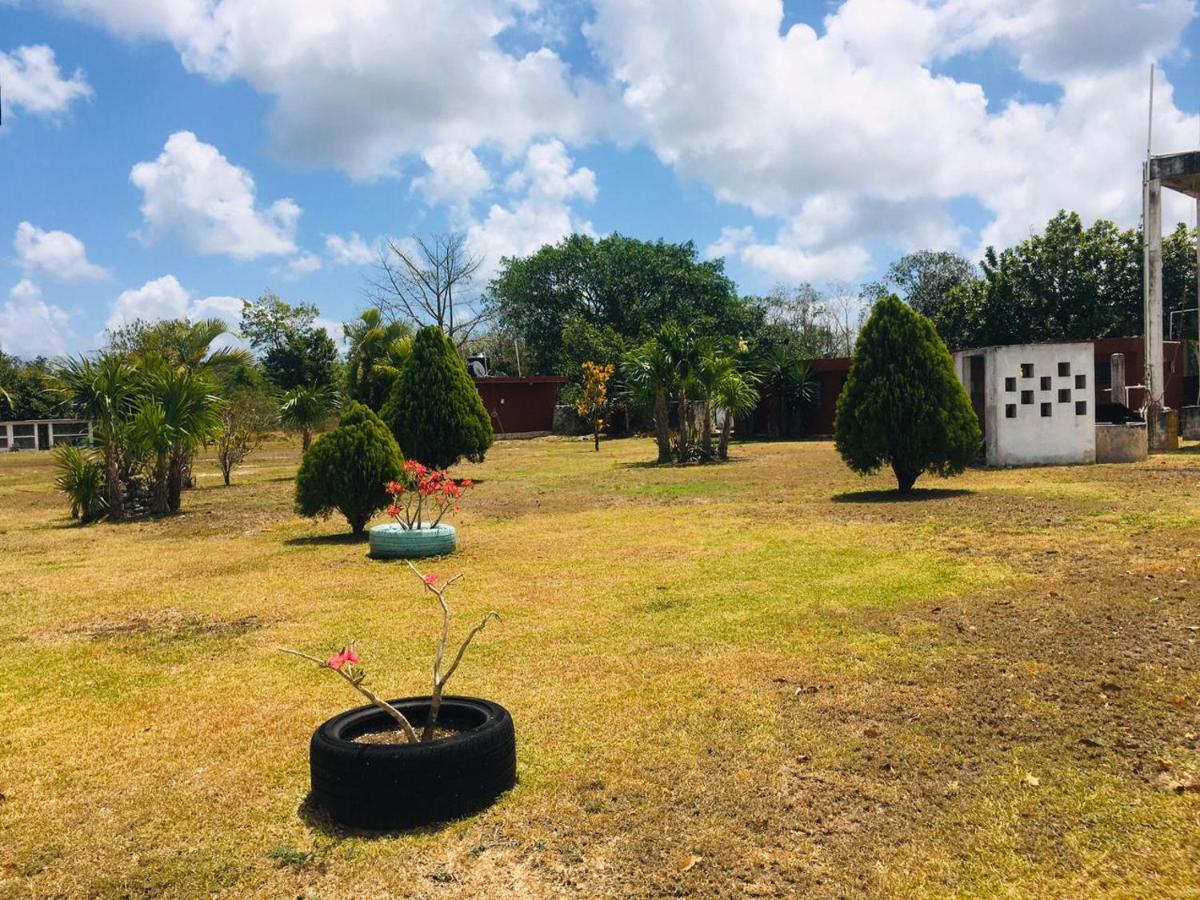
x: 305, y: 409
x: 103, y: 389
x: 150, y: 434
x: 188, y: 345
x: 177, y: 414
x: 792, y: 385
x: 377, y: 350
x: 736, y: 393
x: 650, y: 377
x: 684, y: 352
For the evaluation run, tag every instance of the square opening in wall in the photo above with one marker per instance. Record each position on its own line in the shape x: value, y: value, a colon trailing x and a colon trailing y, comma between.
x: 1064, y: 395
x: 1064, y: 368
x: 1047, y: 410
x: 1026, y: 370
x: 1027, y: 398
x: 1081, y: 407
x: 1010, y: 384
x: 1010, y: 410
x: 1080, y: 381
x: 1045, y: 383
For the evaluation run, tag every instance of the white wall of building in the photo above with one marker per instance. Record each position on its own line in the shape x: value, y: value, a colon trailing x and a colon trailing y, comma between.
x: 1039, y: 403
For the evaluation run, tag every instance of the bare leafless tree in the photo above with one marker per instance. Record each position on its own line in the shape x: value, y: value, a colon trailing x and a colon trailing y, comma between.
x: 430, y: 281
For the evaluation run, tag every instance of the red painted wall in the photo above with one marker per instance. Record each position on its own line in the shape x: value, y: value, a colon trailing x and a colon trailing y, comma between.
x: 1134, y: 349
x: 519, y: 405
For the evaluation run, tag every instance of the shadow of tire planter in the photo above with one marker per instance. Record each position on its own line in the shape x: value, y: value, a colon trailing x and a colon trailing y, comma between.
x: 390, y: 787
x: 394, y: 542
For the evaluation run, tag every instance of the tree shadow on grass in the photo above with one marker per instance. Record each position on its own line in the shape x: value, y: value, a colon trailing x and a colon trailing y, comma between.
x: 917, y: 495
x: 690, y: 464
x: 322, y: 540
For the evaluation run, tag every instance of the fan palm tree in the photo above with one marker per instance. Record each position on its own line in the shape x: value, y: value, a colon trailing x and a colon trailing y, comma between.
x: 723, y: 386
x: 305, y: 409
x: 189, y: 345
x: 178, y: 413
x: 650, y: 378
x: 792, y: 385
x: 377, y: 350
x: 103, y: 389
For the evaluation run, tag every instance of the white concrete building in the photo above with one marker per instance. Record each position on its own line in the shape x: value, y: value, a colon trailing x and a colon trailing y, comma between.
x: 1034, y: 402
x: 43, y: 434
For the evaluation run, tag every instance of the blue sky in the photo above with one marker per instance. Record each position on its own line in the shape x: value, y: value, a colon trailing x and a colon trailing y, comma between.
x: 277, y: 144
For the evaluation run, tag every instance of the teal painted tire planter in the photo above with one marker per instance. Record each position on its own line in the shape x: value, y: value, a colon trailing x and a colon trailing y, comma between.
x: 394, y: 542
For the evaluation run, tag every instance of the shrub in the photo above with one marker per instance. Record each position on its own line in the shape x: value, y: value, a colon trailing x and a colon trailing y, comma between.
x: 347, y: 469
x: 902, y: 404
x: 593, y: 404
x: 434, y: 410
x: 81, y: 478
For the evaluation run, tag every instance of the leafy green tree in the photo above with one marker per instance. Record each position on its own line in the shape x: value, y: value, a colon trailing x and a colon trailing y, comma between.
x: 926, y: 278
x: 347, y: 469
x: 30, y: 388
x: 246, y: 419
x: 619, y: 286
x: 1069, y: 283
x: 294, y: 351
x: 306, y: 409
x: 902, y: 404
x: 376, y: 351
x: 434, y: 409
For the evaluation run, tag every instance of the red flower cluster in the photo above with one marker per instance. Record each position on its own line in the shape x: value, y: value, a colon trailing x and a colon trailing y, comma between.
x: 420, y: 485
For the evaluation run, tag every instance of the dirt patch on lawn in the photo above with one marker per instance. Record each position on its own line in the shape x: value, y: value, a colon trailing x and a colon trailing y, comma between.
x: 157, y: 626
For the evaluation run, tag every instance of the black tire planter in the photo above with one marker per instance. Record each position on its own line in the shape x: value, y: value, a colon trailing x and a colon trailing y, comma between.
x: 389, y: 787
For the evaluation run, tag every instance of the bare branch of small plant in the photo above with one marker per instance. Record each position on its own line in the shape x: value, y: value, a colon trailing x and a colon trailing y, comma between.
x: 347, y: 664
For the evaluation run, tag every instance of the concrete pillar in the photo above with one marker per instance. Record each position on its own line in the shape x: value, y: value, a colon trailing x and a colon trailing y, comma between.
x: 1153, y: 312
x: 1119, y: 392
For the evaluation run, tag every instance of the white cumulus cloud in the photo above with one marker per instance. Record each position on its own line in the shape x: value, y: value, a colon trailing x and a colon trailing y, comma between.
x: 56, y: 254
x: 361, y: 85
x: 541, y: 211
x: 166, y: 298
x: 299, y: 266
x: 455, y: 176
x: 31, y: 327
x: 849, y: 136
x: 193, y: 191
x: 34, y: 84
x: 349, y: 251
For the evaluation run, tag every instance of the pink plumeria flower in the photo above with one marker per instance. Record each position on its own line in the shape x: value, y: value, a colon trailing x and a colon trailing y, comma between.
x: 350, y: 656
x: 431, y: 580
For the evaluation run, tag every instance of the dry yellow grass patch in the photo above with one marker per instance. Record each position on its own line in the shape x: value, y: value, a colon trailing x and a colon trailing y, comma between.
x: 764, y: 678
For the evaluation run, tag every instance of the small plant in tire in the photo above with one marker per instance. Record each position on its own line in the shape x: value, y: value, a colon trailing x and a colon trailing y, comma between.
x: 422, y: 491
x: 456, y: 754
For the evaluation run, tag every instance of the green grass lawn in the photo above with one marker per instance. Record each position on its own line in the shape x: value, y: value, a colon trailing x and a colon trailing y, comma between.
x: 767, y: 678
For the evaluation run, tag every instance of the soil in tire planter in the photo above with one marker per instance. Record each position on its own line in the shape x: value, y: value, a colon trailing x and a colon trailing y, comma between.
x: 397, y: 736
